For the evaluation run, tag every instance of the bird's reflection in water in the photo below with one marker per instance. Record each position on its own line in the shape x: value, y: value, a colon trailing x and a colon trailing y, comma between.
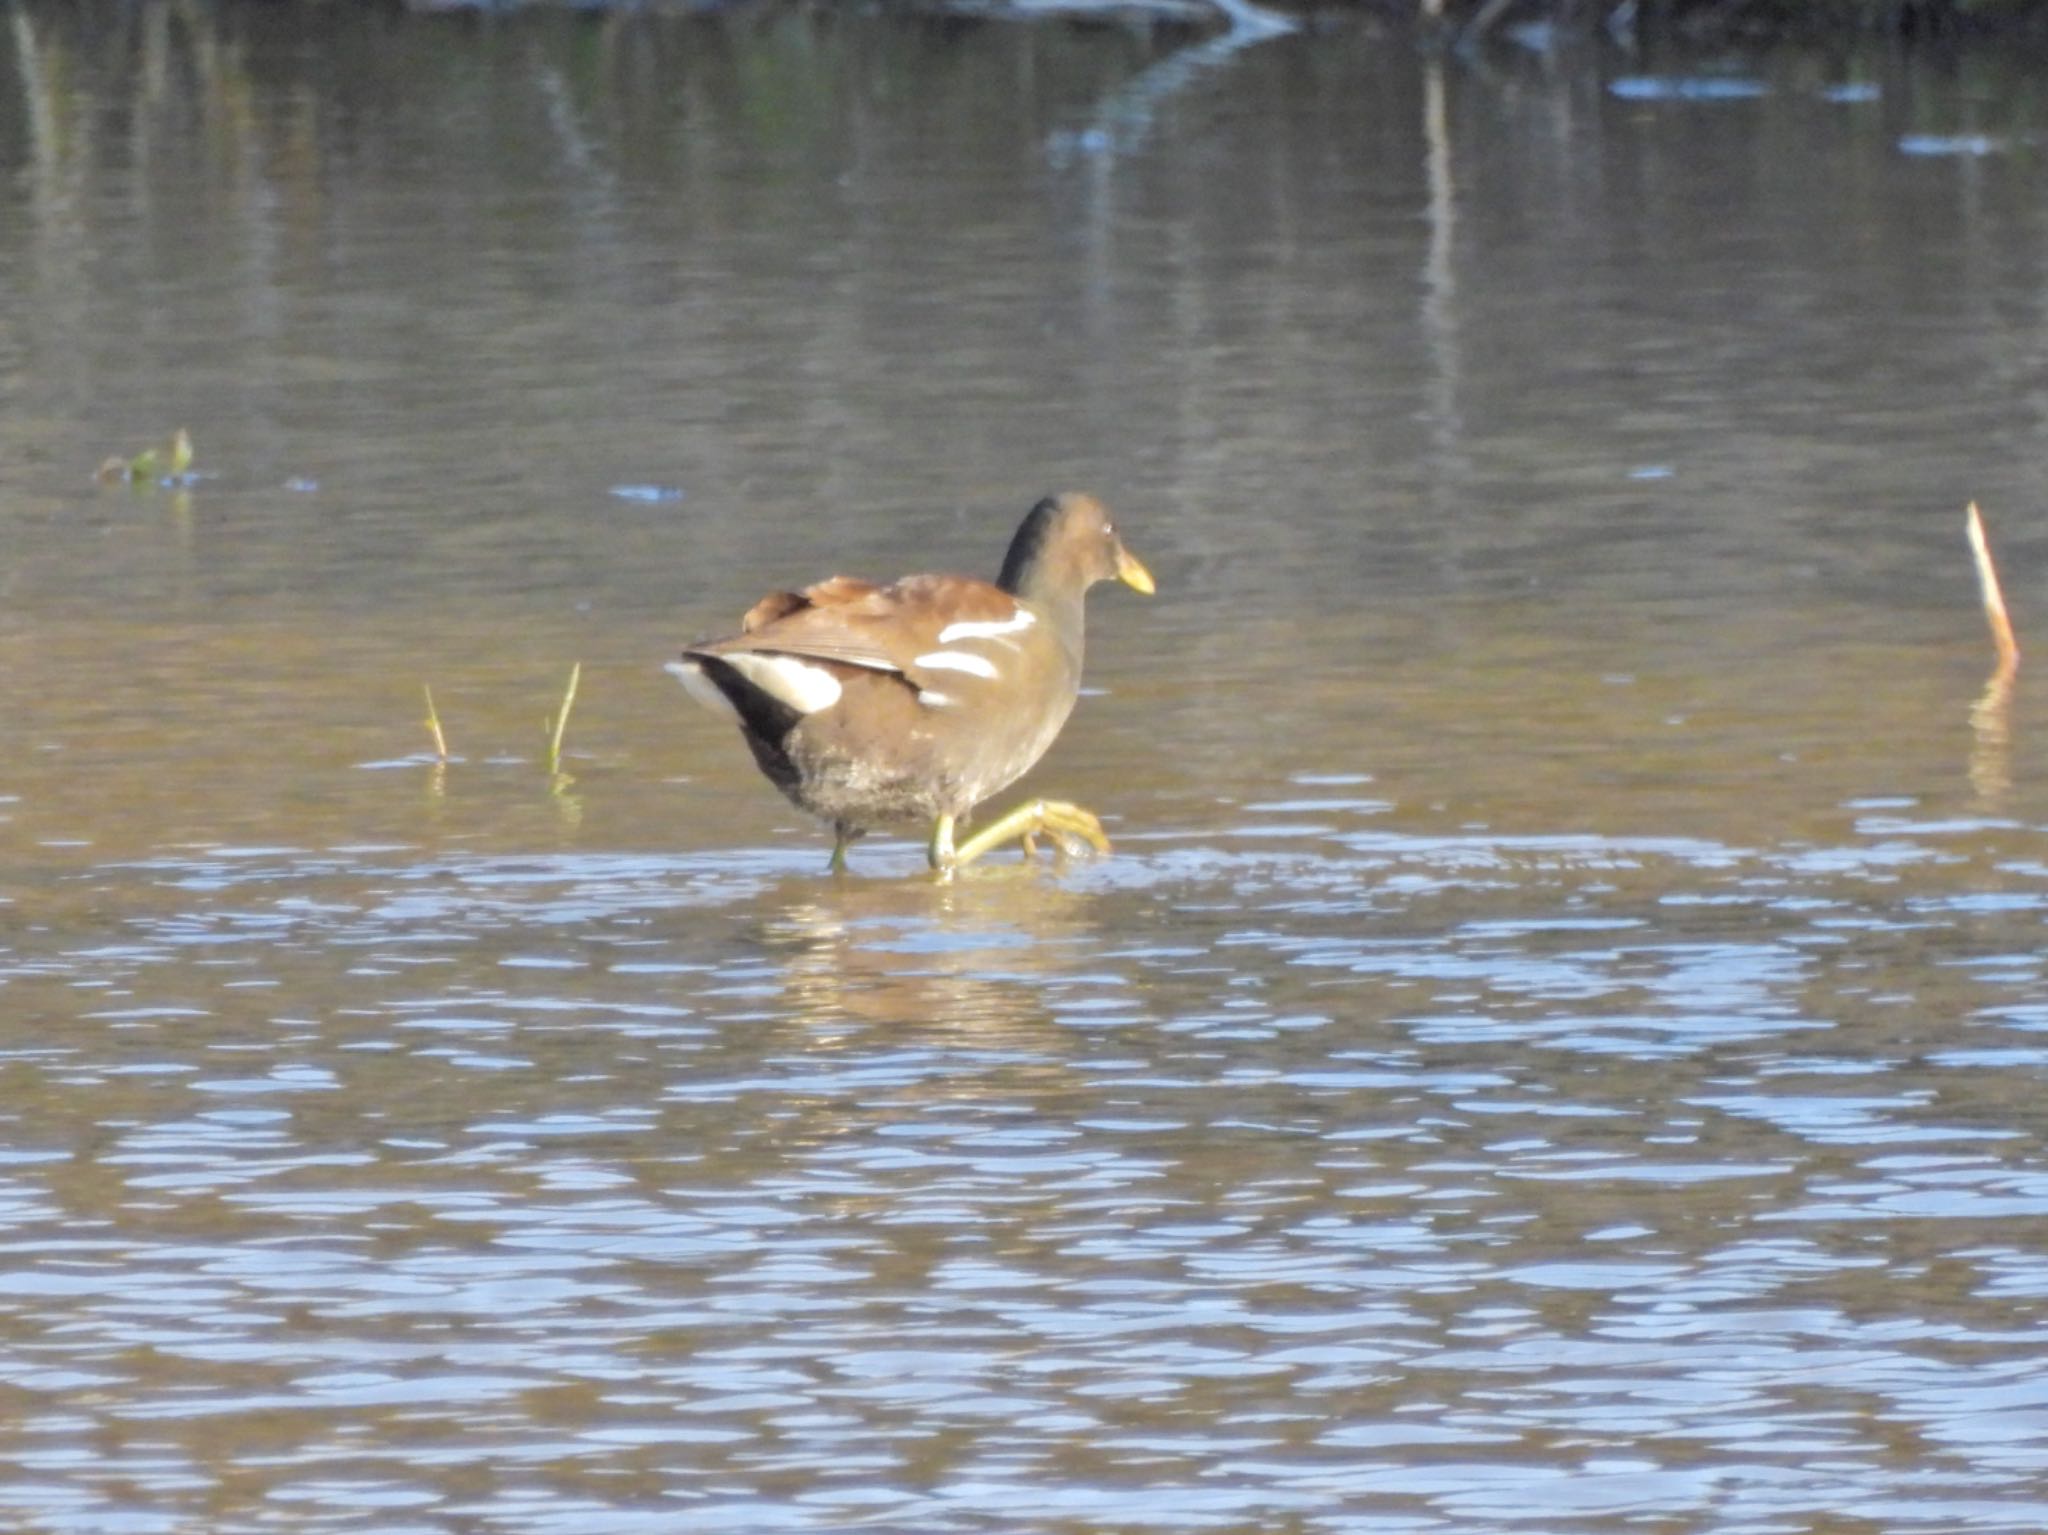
x: 972, y: 958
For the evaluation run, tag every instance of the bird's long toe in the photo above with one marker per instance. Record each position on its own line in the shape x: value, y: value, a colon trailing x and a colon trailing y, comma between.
x: 1073, y: 826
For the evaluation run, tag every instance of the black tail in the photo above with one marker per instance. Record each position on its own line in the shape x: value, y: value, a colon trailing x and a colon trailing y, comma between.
x: 763, y: 716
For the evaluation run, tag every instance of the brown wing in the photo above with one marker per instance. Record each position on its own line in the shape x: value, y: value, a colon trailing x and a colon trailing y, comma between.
x: 856, y: 623
x: 826, y: 593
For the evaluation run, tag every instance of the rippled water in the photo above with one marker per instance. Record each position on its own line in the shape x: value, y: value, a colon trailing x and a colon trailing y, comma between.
x: 1557, y: 1048
x: 1319, y: 1174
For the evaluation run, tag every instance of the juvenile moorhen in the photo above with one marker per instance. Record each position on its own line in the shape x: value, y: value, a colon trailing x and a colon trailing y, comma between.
x: 916, y: 701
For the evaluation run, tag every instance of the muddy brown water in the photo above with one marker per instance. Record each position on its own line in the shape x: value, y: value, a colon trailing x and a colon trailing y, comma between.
x: 1560, y: 1045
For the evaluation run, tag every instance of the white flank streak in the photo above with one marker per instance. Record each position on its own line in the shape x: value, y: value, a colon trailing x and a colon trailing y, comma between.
x: 805, y: 687
x: 932, y: 698
x: 701, y: 688
x: 1016, y: 623
x: 957, y: 661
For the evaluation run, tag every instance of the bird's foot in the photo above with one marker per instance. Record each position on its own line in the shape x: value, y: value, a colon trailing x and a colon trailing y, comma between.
x: 1070, y: 827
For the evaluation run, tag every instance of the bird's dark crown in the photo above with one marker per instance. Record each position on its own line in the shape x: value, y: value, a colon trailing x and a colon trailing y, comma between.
x: 1065, y: 544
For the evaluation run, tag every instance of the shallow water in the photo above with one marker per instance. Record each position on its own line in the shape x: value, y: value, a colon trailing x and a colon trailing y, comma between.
x: 1558, y: 1046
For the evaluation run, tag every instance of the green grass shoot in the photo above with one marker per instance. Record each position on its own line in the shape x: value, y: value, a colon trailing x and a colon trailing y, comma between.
x: 560, y: 724
x: 434, y: 724
x: 151, y: 465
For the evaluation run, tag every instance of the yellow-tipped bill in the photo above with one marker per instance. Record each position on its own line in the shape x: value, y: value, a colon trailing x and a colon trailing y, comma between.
x: 1132, y: 572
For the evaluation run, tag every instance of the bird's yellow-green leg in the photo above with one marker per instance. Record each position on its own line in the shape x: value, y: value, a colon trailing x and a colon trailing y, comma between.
x: 940, y: 849
x: 841, y: 838
x: 1066, y: 823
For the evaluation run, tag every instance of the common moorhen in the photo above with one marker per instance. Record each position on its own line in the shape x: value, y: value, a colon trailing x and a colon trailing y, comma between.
x: 916, y: 701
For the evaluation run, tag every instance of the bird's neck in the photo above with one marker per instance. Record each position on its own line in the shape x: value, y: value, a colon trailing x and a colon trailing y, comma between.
x: 1062, y: 612
x: 1051, y: 592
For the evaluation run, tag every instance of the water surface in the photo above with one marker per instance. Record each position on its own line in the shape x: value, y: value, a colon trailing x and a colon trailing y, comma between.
x: 1558, y: 1046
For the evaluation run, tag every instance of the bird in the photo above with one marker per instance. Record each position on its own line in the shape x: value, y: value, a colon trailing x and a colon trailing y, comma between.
x: 914, y: 702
